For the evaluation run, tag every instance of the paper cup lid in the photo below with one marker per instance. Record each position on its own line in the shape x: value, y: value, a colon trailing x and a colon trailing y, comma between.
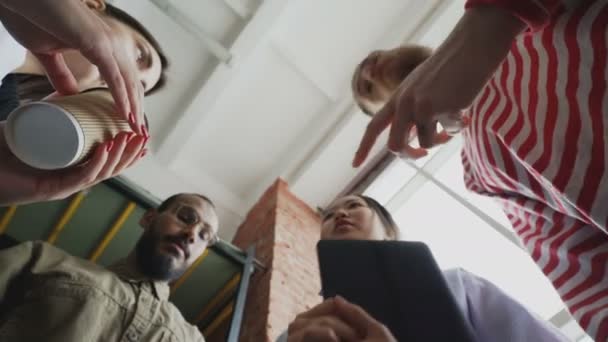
x: 44, y: 136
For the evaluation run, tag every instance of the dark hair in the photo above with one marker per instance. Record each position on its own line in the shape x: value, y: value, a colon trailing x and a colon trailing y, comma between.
x: 390, y: 226
x: 167, y: 203
x: 127, y: 19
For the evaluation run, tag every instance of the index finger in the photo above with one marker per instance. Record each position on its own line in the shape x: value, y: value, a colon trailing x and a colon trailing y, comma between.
x: 109, y: 70
x: 58, y: 73
x: 102, y: 55
x: 135, y: 92
x: 354, y: 315
x: 376, y: 126
x: 327, y: 307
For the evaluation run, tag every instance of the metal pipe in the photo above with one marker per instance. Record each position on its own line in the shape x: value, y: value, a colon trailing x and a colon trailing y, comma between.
x: 236, y: 254
x: 241, y: 296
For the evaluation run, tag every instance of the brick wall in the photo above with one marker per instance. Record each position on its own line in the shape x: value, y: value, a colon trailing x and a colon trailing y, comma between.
x: 285, y: 231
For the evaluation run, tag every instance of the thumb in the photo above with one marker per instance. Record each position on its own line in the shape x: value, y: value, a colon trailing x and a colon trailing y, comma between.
x: 59, y: 74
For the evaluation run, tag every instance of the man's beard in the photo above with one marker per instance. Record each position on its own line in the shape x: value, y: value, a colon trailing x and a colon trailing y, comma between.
x: 151, y: 262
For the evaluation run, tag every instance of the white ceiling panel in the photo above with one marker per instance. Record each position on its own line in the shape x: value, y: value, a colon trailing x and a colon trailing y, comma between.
x: 214, y: 17
x: 326, y: 39
x: 259, y: 115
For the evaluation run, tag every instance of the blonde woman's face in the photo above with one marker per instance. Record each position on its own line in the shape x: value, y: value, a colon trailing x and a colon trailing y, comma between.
x: 377, y: 77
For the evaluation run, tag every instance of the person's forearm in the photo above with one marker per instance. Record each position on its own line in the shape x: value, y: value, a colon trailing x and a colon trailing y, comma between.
x: 534, y: 13
x: 483, y: 35
x: 493, y: 29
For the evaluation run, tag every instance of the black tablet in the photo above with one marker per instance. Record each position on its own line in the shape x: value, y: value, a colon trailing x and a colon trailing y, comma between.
x: 398, y: 283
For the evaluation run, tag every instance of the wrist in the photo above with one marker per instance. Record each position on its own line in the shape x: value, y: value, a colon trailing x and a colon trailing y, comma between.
x: 491, y: 26
x: 484, y: 34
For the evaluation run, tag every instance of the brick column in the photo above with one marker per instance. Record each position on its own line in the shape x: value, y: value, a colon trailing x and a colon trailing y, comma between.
x: 285, y: 231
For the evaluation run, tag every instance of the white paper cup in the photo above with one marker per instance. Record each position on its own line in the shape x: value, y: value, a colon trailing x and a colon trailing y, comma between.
x: 62, y: 131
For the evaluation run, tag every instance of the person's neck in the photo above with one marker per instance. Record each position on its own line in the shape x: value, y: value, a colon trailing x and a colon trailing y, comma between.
x: 131, y: 261
x: 30, y: 66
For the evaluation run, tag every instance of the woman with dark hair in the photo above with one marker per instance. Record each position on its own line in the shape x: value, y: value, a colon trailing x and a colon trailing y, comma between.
x: 48, y: 28
x: 491, y: 314
x: 55, y: 50
x: 27, y: 72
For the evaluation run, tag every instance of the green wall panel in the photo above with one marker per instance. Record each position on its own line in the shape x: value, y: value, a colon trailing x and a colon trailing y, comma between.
x: 205, y: 282
x: 96, y: 214
x: 124, y: 241
x: 35, y: 221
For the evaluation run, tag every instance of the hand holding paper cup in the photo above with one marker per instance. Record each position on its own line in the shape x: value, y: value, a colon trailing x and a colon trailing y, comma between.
x: 59, y: 132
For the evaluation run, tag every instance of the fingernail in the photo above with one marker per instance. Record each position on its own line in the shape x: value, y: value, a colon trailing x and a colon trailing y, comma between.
x: 144, y: 131
x: 131, y: 118
x: 143, y: 153
x: 109, y: 147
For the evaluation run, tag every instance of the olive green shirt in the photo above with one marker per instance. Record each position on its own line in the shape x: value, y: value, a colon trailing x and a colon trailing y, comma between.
x: 49, y: 295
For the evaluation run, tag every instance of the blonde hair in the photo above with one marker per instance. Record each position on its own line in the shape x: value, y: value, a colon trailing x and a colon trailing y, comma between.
x: 414, y: 55
x: 353, y: 85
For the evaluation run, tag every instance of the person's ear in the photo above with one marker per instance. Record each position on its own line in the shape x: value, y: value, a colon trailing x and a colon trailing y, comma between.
x: 146, y: 221
x: 96, y: 5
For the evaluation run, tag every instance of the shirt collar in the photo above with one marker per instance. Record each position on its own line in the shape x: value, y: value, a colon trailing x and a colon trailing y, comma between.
x: 127, y: 272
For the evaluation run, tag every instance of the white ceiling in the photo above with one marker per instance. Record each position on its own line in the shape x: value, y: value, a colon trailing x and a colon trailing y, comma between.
x: 280, y: 106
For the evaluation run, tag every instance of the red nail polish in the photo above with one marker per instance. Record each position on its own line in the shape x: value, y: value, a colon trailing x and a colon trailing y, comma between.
x: 143, y: 153
x: 131, y: 118
x: 109, y: 147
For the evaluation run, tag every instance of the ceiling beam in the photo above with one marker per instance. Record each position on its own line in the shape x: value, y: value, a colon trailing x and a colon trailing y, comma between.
x: 203, y: 182
x: 239, y: 8
x: 253, y: 34
x: 216, y: 48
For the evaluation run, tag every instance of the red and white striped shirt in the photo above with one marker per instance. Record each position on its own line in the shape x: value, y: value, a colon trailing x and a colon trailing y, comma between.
x: 538, y: 142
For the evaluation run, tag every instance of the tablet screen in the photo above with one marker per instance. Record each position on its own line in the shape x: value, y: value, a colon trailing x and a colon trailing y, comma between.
x: 398, y: 283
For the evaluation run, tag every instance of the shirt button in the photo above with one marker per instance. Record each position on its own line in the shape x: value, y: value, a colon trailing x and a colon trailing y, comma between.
x: 132, y: 336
